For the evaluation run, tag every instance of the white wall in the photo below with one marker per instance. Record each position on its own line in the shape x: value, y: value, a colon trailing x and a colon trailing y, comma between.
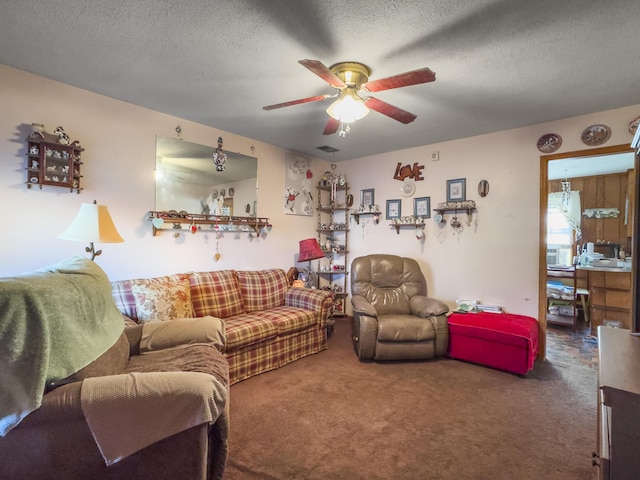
x: 494, y: 260
x: 119, y: 161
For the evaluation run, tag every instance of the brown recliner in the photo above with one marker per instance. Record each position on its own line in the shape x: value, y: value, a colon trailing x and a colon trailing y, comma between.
x: 393, y: 319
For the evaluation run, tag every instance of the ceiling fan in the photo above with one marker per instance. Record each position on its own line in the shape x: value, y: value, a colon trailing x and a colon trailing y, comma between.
x: 350, y: 78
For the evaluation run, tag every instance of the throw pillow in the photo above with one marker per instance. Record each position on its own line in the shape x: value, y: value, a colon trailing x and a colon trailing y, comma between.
x: 163, y: 301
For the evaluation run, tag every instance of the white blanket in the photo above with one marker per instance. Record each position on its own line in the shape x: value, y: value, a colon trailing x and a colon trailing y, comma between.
x: 150, y: 406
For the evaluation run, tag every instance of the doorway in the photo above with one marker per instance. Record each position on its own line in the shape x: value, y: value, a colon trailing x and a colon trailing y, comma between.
x: 561, y: 166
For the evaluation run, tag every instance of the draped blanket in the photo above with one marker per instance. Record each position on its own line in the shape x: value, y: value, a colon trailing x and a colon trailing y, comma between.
x: 151, y: 406
x: 53, y: 322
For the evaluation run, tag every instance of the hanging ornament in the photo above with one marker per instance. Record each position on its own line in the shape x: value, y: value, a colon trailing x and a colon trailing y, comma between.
x: 217, y: 256
x: 219, y: 157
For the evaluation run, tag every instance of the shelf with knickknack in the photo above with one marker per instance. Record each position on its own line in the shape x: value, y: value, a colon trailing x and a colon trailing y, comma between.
x: 53, y: 159
x: 418, y: 224
x: 375, y: 215
x: 468, y: 206
x: 334, y: 202
x: 172, y: 220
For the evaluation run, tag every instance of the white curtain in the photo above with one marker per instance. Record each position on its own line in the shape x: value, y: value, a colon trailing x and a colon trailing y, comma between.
x: 570, y: 209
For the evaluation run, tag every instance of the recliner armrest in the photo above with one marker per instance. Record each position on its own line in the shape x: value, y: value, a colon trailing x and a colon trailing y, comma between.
x: 362, y: 306
x: 425, y: 307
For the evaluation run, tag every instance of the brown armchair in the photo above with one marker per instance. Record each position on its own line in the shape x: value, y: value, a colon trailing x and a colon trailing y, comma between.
x: 84, y: 397
x: 393, y: 319
x: 56, y: 441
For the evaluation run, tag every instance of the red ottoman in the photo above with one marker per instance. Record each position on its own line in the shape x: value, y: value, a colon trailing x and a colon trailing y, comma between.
x: 500, y: 340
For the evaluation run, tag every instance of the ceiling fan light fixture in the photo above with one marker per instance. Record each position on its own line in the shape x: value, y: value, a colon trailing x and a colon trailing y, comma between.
x: 348, y: 108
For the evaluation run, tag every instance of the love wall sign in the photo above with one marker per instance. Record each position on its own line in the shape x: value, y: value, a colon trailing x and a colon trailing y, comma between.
x: 408, y: 171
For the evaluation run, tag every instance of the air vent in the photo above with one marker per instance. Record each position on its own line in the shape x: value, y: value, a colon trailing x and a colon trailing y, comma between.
x: 327, y: 149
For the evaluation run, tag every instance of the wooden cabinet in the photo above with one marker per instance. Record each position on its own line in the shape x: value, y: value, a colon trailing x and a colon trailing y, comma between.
x: 52, y: 163
x: 618, y: 404
x: 333, y: 237
x: 610, y: 298
x: 561, y: 296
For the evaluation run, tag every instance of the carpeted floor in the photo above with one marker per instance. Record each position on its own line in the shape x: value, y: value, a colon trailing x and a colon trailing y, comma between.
x: 329, y: 416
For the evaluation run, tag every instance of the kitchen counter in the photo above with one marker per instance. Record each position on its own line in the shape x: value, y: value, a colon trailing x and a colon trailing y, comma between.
x: 604, y: 269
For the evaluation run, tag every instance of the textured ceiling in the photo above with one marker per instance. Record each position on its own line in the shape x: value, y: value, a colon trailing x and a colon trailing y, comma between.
x: 499, y: 64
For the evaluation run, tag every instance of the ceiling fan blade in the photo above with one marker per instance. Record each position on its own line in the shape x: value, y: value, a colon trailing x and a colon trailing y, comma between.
x: 296, y: 102
x: 389, y: 110
x: 415, y: 77
x: 323, y: 72
x: 331, y: 127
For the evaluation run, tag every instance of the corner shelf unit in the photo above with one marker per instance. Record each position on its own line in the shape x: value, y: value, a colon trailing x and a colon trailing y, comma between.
x: 333, y: 237
x: 174, y: 221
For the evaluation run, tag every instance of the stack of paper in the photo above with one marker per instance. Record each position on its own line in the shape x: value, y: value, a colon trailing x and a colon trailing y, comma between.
x: 489, y: 308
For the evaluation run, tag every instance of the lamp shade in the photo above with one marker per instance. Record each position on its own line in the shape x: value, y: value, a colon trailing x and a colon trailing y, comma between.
x: 348, y: 108
x: 92, y: 224
x: 310, y: 250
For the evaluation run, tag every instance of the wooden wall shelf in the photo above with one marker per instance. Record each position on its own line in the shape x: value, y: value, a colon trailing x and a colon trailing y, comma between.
x: 399, y: 225
x: 169, y: 220
x: 376, y: 216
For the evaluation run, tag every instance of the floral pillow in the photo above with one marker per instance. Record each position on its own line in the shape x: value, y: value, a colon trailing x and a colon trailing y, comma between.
x: 163, y: 301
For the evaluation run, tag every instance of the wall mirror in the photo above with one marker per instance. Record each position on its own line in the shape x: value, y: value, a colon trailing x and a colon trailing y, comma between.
x: 187, y: 180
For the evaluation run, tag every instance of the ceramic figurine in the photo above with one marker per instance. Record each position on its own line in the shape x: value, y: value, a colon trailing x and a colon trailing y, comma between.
x: 63, y: 138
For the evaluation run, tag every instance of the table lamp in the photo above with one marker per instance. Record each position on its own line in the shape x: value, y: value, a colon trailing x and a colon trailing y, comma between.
x: 309, y: 250
x: 92, y: 224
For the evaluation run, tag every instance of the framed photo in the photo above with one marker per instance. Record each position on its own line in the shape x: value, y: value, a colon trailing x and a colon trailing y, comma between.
x: 457, y: 190
x: 422, y: 207
x: 366, y: 197
x: 393, y: 209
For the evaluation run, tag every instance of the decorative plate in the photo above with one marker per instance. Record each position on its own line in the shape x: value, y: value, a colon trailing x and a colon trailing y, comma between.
x: 223, y: 192
x: 34, y: 179
x: 633, y: 126
x: 549, y: 143
x: 408, y: 187
x: 349, y: 200
x: 596, y: 135
x: 231, y: 192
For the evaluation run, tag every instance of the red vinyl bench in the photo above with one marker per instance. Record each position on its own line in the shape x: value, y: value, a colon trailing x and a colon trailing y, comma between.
x: 500, y: 340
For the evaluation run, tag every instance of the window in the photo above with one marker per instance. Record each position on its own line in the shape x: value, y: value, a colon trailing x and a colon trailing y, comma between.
x: 559, y: 237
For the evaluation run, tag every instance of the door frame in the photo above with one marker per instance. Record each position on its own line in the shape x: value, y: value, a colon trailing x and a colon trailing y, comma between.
x: 542, y: 254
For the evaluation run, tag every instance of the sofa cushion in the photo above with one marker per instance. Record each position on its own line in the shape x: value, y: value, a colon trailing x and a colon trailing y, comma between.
x: 216, y: 294
x: 247, y: 329
x: 288, y: 319
x: 124, y: 298
x: 262, y: 290
x: 163, y: 301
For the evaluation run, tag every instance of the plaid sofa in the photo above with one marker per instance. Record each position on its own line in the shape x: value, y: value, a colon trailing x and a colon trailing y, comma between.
x: 268, y: 324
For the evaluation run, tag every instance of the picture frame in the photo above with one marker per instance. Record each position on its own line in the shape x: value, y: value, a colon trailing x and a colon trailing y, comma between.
x: 422, y: 207
x: 367, y: 197
x: 457, y: 190
x: 394, y: 209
